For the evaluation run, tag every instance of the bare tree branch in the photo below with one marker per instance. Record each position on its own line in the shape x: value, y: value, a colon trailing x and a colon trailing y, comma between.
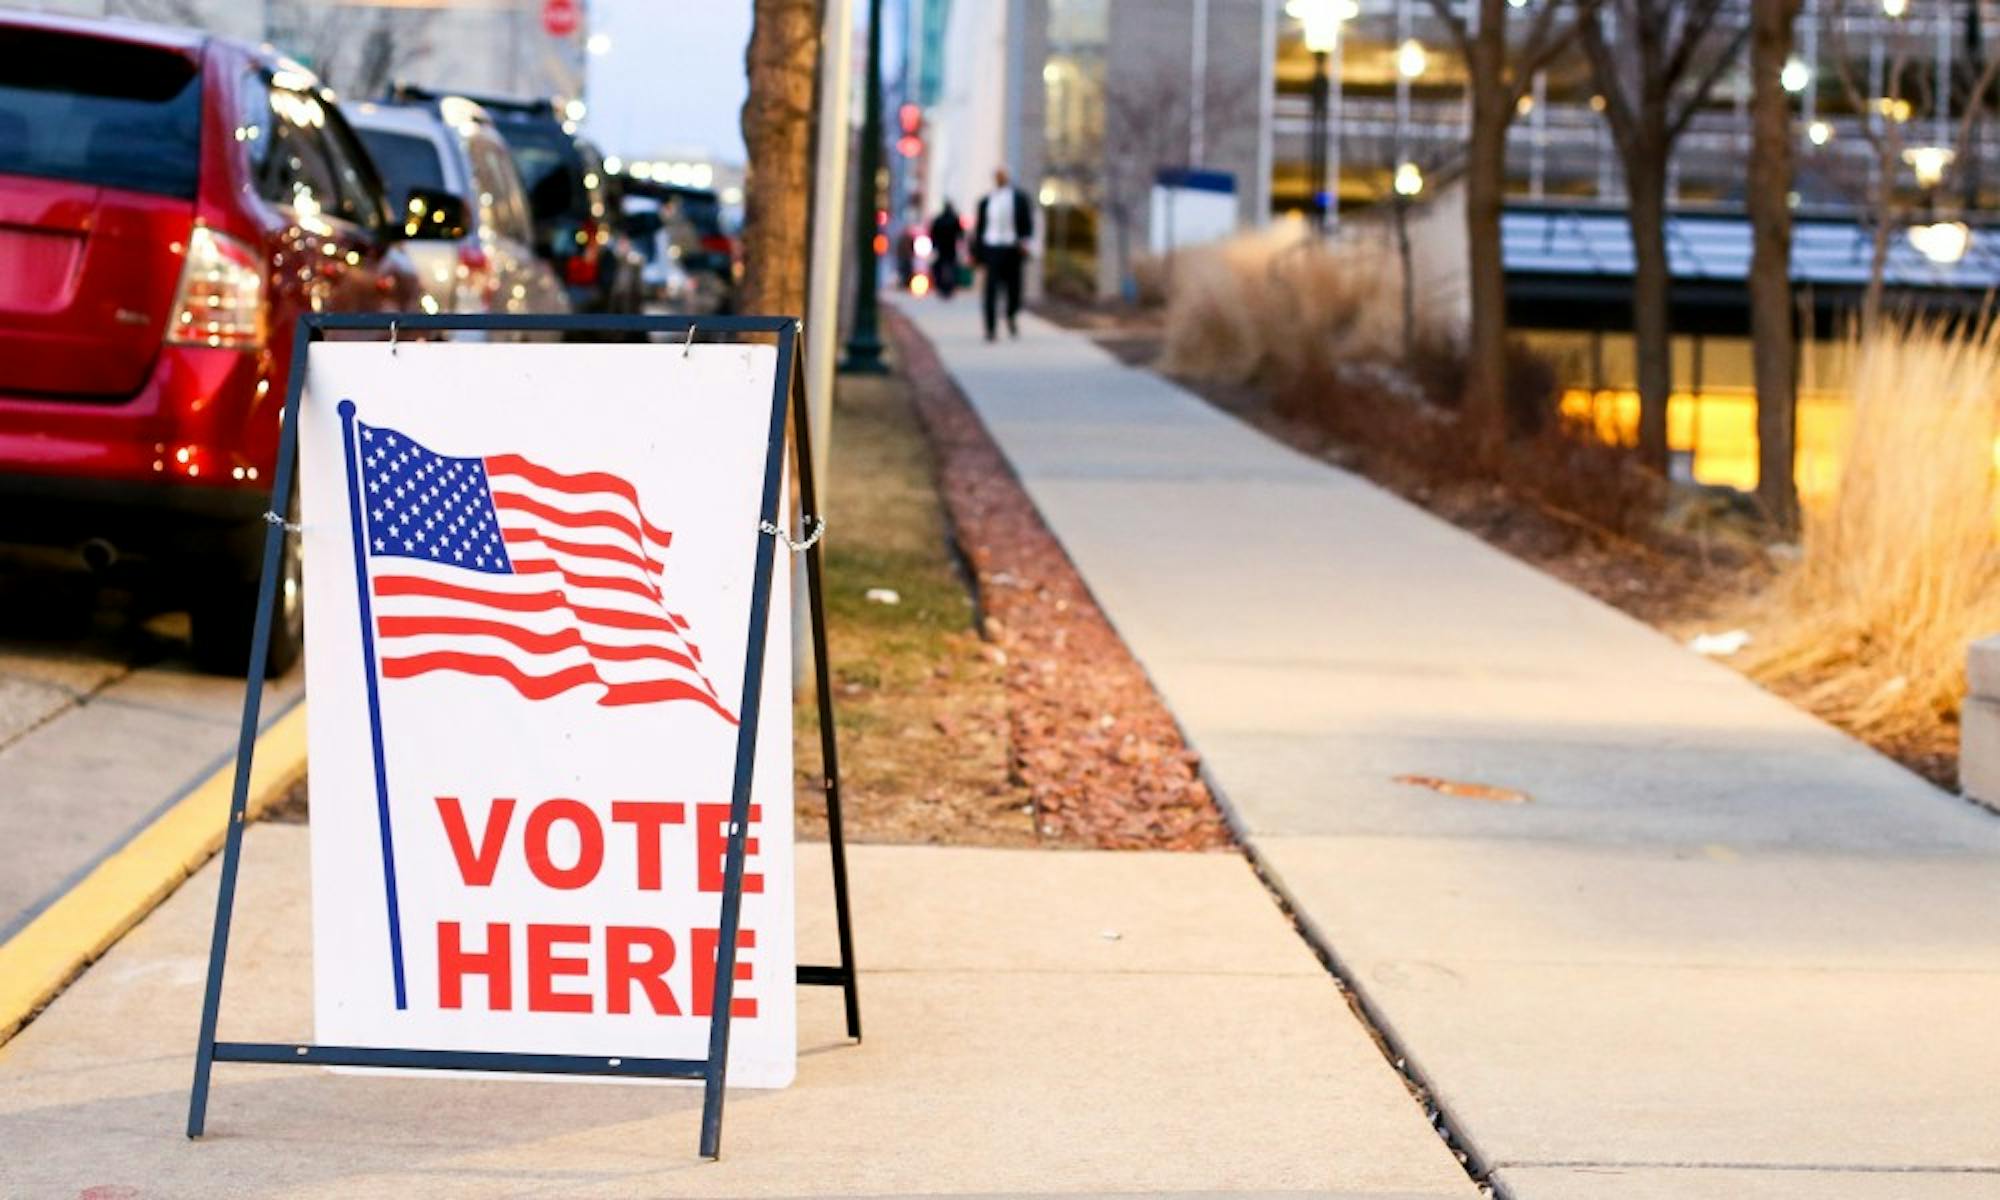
x: 1455, y: 24
x: 1696, y: 96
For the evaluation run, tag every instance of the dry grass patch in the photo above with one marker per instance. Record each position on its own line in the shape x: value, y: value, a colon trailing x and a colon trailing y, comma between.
x: 1898, y: 572
x: 923, y: 722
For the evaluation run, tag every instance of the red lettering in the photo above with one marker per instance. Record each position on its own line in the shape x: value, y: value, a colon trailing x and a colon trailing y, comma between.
x: 622, y: 970
x: 476, y: 869
x: 590, y: 844
x: 705, y: 943
x: 711, y: 829
x: 544, y: 967
x: 496, y: 964
x: 649, y: 819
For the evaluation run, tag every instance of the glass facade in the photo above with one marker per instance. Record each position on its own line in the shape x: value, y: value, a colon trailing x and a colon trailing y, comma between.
x: 1073, y: 142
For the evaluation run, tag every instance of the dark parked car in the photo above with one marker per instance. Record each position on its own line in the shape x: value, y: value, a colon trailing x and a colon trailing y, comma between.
x: 170, y: 202
x: 570, y: 197
x: 691, y: 261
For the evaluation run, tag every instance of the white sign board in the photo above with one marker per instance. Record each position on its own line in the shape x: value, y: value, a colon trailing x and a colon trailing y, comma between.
x: 528, y: 594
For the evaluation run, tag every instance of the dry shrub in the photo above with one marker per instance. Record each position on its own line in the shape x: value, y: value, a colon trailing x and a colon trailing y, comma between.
x: 1898, y: 571
x: 1150, y: 273
x: 1577, y: 478
x: 1274, y: 308
x: 1319, y: 327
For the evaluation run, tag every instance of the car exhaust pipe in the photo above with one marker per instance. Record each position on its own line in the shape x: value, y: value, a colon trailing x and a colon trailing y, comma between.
x: 98, y: 555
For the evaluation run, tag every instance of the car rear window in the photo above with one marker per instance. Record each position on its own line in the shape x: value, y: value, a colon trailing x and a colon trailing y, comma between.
x: 550, y: 165
x: 405, y: 161
x: 99, y: 111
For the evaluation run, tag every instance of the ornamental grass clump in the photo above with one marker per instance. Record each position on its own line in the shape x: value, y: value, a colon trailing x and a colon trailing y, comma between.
x: 1900, y: 568
x: 1277, y: 308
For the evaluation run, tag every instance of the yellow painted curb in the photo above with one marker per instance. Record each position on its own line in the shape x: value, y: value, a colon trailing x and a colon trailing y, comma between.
x: 38, y: 962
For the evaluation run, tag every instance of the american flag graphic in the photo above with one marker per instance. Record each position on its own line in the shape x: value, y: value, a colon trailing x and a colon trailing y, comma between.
x: 501, y: 567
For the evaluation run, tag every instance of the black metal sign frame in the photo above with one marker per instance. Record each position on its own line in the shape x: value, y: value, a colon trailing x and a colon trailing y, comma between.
x: 788, y: 392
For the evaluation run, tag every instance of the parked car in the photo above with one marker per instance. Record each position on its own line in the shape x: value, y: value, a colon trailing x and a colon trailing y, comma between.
x: 691, y: 264
x: 570, y: 200
x: 452, y: 146
x: 170, y: 202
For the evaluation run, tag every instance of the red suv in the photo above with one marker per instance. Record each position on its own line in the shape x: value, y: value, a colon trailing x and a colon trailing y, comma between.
x: 169, y: 203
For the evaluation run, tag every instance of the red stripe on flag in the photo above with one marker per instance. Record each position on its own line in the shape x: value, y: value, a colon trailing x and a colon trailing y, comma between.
x: 541, y: 687
x: 617, y: 554
x: 411, y: 585
x: 576, y: 485
x: 527, y: 639
x: 596, y: 518
x: 648, y: 691
x: 613, y: 583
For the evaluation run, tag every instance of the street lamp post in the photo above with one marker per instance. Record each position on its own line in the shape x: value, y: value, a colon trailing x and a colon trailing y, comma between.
x: 864, y: 343
x: 1320, y: 21
x: 1318, y: 137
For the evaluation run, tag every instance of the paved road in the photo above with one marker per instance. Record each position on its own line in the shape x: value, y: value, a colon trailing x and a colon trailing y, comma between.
x: 103, y: 722
x: 1723, y: 952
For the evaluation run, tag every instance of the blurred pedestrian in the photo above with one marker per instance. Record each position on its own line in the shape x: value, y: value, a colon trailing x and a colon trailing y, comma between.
x: 947, y: 246
x: 906, y: 248
x: 1000, y: 240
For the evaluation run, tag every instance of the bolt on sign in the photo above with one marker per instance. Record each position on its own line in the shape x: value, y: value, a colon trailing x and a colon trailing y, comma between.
x: 522, y: 726
x: 549, y: 678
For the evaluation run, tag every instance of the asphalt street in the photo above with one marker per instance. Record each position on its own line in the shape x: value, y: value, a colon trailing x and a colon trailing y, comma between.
x: 104, y: 721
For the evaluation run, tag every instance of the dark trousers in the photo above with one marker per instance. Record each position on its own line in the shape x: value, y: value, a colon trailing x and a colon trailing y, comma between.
x: 944, y: 273
x: 1003, y: 273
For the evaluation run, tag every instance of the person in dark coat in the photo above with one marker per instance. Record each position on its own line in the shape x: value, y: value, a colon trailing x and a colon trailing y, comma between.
x: 947, y: 244
x: 1000, y: 236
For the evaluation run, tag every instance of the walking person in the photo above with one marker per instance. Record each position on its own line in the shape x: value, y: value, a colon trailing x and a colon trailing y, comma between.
x: 947, y: 245
x: 1000, y: 236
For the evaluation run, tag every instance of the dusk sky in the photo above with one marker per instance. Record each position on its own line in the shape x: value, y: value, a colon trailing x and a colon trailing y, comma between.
x: 673, y: 77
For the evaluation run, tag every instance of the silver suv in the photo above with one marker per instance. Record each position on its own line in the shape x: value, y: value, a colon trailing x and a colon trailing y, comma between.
x: 451, y: 145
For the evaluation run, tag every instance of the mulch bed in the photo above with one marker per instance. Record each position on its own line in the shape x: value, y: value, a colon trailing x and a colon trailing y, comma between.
x: 1102, y: 759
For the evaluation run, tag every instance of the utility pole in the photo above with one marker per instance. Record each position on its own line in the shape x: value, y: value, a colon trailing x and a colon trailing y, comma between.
x: 864, y: 344
x: 829, y: 225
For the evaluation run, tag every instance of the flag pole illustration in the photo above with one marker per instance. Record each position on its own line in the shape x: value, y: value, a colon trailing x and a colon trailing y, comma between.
x: 361, y: 590
x: 500, y: 568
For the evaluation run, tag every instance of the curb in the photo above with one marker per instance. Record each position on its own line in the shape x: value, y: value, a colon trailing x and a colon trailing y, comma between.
x: 53, y: 949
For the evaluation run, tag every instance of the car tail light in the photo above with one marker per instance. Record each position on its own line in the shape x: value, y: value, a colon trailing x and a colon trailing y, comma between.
x: 718, y: 243
x: 581, y: 269
x: 220, y: 300
x: 477, y: 281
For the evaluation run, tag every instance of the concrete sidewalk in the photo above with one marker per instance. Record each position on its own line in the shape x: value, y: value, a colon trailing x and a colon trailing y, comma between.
x: 1724, y: 952
x: 1038, y: 1022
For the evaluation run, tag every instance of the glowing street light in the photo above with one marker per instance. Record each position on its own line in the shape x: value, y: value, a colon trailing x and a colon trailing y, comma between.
x: 1411, y: 58
x: 1819, y: 133
x: 1320, y: 26
x: 598, y: 44
x: 1321, y: 21
x: 1928, y: 163
x: 1943, y: 242
x: 1796, y: 75
x: 1895, y: 8
x: 1409, y: 179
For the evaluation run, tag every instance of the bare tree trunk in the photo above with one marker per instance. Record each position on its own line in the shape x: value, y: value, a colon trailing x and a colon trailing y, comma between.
x: 1485, y: 412
x: 1406, y: 259
x: 777, y: 132
x: 1878, y: 260
x: 1773, y: 361
x: 1651, y: 285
